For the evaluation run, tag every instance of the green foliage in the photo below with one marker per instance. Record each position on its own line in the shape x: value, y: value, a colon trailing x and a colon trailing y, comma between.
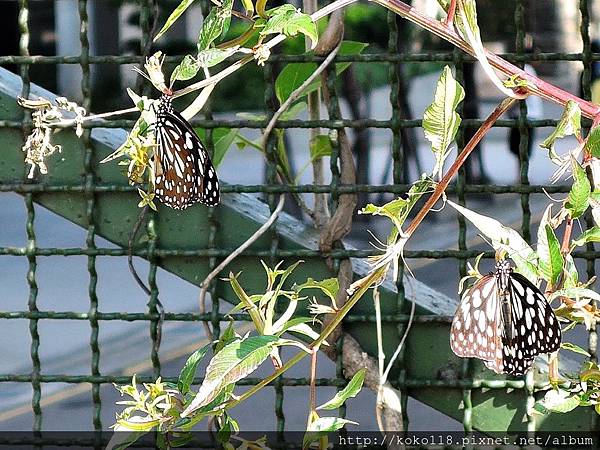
x: 569, y: 124
x: 350, y: 391
x: 579, y: 196
x: 592, y: 143
x: 186, y: 377
x: 293, y: 75
x: 287, y: 20
x: 216, y: 23
x: 185, y: 4
x: 440, y: 120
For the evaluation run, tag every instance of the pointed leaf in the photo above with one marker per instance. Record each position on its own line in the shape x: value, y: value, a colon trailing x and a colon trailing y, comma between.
x: 186, y: 377
x: 234, y: 362
x: 569, y: 124
x: 440, y: 120
x: 329, y: 286
x: 574, y: 348
x: 185, y: 4
x: 592, y: 143
x: 351, y: 390
x: 321, y: 427
x: 218, y: 19
x: 591, y: 235
x: 505, y: 239
x: 579, y: 196
x: 187, y: 69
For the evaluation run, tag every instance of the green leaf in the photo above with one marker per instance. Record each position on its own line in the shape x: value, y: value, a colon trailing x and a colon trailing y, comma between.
x: 248, y: 7
x: 543, y: 249
x: 223, y: 139
x: 187, y: 69
x: 320, y: 146
x: 559, y: 401
x: 397, y: 210
x: 569, y: 124
x: 571, y: 274
x: 234, y: 362
x: 591, y: 235
x: 579, y: 196
x: 351, y: 390
x: 504, y: 239
x: 329, y: 286
x: 216, y: 22
x: 185, y: 4
x: 287, y: 20
x: 592, y: 143
x: 556, y: 258
x: 293, y: 75
x: 187, y: 374
x: 577, y: 293
x: 440, y: 120
x: 226, y: 338
x: 123, y: 438
x: 321, y: 427
x: 213, y: 56
x: 574, y: 348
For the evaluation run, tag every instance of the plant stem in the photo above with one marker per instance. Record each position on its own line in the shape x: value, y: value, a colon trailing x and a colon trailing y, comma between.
x: 460, y: 159
x: 364, y: 285
x: 536, y: 85
x: 450, y: 16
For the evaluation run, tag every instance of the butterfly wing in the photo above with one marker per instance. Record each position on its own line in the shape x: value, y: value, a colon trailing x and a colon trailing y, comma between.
x: 477, y: 324
x: 534, y: 327
x: 184, y: 173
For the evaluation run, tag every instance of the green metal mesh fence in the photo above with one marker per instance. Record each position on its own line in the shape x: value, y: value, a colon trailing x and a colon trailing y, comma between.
x: 395, y: 55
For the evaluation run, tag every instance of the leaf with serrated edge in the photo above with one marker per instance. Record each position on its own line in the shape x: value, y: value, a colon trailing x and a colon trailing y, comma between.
x: 234, y: 362
x: 440, y: 120
x: 351, y: 390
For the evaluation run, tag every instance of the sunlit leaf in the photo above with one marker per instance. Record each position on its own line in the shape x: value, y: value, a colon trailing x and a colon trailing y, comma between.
x: 440, y: 120
x: 329, y: 286
x: 591, y: 235
x: 213, y: 56
x: 322, y: 426
x: 288, y: 20
x: 559, y: 401
x: 579, y: 196
x: 187, y: 69
x: 504, y: 239
x: 234, y: 362
x: 574, y: 348
x: 351, y: 390
x: 216, y: 22
x: 569, y: 124
x: 222, y: 139
x: 185, y: 4
x: 187, y: 374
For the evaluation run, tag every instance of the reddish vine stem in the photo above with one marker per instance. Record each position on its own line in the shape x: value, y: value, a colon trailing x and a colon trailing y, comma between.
x: 450, y: 15
x: 460, y: 159
x: 535, y: 86
x: 313, y: 381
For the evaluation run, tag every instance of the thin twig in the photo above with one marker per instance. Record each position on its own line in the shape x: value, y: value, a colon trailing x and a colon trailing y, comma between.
x: 238, y: 251
x: 460, y: 159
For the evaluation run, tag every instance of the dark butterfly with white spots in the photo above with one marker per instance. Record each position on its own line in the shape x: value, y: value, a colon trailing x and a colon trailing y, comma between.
x: 506, y: 321
x: 183, y: 171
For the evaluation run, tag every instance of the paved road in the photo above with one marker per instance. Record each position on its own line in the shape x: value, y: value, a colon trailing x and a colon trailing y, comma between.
x: 63, y: 285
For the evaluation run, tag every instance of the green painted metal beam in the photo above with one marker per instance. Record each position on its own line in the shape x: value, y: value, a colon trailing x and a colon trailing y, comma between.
x: 432, y: 372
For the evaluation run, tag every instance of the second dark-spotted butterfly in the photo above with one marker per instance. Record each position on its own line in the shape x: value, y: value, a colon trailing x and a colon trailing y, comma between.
x: 183, y: 171
x: 506, y: 321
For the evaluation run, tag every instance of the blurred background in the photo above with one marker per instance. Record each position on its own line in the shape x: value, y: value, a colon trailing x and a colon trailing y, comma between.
x: 547, y: 34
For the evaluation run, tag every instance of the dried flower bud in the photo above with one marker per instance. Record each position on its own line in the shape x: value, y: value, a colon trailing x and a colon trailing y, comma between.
x: 153, y: 67
x: 261, y: 54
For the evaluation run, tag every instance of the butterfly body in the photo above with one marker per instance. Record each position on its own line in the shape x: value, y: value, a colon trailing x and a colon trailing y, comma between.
x: 506, y: 321
x: 183, y: 171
